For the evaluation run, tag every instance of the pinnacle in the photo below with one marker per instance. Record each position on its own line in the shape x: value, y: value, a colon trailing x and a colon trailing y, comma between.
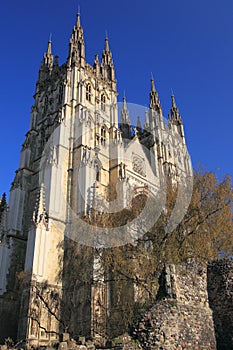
x: 49, y: 49
x: 78, y: 22
x: 106, y: 44
x: 153, y: 85
x: 125, y: 113
x: 173, y: 101
x: 124, y: 103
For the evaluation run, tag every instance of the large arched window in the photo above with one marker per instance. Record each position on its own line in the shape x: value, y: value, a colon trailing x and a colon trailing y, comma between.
x: 88, y: 92
x: 103, y: 102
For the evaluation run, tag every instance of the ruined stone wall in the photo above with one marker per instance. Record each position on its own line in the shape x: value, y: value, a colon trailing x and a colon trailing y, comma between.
x: 220, y: 290
x: 194, y: 308
x: 181, y: 318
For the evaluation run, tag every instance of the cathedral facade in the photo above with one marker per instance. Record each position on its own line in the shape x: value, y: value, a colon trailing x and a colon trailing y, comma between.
x: 78, y: 159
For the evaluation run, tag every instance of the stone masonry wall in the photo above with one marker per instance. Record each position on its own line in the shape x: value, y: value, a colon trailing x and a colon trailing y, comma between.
x: 220, y: 289
x: 194, y: 308
x: 181, y: 319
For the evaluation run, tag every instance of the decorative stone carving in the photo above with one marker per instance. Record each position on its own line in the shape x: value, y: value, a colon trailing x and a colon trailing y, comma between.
x: 86, y: 154
x: 139, y: 165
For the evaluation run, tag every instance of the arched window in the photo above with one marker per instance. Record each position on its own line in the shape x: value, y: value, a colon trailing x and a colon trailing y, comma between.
x: 60, y: 94
x: 88, y: 92
x: 103, y: 136
x: 103, y: 101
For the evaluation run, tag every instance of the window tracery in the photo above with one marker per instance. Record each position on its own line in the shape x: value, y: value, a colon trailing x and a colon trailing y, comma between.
x: 103, y: 102
x: 88, y: 92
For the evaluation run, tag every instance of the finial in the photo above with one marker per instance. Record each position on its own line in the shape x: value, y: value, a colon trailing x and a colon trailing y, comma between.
x: 49, y: 48
x: 173, y: 101
x: 152, y: 83
x: 125, y: 113
x: 96, y: 57
x: 172, y: 92
x: 124, y: 101
x: 78, y: 18
x: 106, y: 41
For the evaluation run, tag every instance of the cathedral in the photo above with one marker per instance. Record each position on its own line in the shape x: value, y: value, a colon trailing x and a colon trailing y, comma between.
x: 82, y: 158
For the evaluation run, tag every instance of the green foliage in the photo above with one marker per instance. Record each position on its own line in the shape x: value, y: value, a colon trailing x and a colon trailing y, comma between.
x: 117, y: 341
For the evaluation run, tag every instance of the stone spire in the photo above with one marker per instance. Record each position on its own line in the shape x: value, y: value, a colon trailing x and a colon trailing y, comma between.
x: 78, y: 21
x: 147, y: 123
x: 77, y: 46
x: 48, y: 57
x: 47, y: 63
x: 154, y: 98
x: 174, y: 112
x: 97, y: 65
x: 125, y: 119
x: 125, y: 124
x: 175, y: 117
x: 107, y: 65
x: 106, y: 45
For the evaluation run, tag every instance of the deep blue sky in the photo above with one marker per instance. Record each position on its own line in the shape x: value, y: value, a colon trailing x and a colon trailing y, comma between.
x: 187, y: 44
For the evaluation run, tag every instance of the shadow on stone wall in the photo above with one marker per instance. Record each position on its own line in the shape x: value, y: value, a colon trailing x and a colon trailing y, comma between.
x: 9, y: 321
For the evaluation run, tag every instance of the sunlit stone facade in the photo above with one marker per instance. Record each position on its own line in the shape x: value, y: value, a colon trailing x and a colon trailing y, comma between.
x: 76, y: 151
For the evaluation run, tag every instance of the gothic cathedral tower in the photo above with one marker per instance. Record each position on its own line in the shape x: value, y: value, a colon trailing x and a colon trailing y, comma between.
x: 74, y: 153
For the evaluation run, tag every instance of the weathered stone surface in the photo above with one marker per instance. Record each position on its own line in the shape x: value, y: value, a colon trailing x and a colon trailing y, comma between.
x: 63, y: 346
x: 71, y: 344
x: 220, y: 289
x: 65, y: 337
x: 182, y: 318
x: 90, y: 346
x: 81, y: 344
x: 3, y: 347
x: 81, y: 340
